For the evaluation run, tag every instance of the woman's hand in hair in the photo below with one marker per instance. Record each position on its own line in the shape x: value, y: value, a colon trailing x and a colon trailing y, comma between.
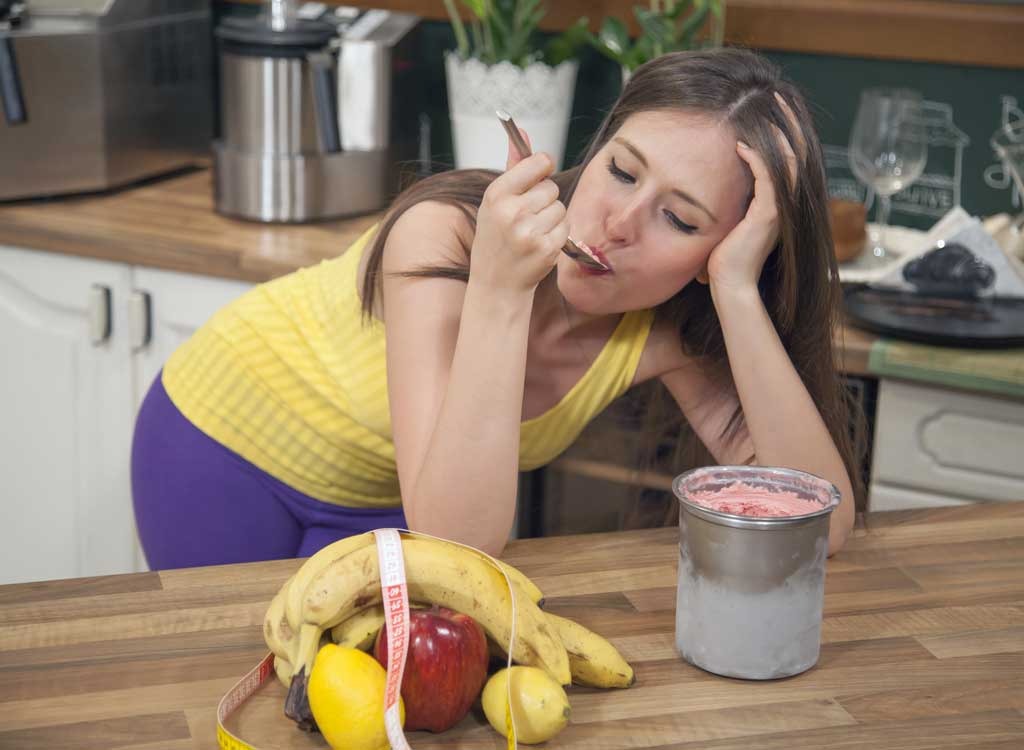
x: 520, y: 227
x: 736, y: 262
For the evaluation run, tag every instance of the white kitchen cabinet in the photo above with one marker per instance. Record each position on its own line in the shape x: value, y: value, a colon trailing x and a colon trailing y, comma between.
x: 66, y: 424
x: 937, y: 446
x: 78, y: 351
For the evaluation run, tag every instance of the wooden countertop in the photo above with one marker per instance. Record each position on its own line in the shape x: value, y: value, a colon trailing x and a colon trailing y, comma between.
x: 922, y: 647
x: 170, y: 223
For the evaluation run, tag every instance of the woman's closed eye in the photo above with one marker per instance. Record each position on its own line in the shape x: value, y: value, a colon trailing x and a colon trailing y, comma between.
x: 622, y: 176
x: 679, y: 224
x: 619, y: 174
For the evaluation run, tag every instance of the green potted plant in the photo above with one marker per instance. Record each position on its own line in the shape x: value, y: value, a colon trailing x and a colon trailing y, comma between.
x: 666, y: 26
x: 501, y: 63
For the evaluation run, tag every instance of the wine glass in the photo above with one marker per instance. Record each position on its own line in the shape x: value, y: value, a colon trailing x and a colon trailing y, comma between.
x: 888, y: 149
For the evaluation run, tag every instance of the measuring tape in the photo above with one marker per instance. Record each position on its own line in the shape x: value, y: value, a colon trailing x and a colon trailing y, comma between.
x: 395, y: 595
x: 236, y: 696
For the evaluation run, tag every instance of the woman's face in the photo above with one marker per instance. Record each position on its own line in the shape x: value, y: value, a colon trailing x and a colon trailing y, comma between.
x: 654, y: 202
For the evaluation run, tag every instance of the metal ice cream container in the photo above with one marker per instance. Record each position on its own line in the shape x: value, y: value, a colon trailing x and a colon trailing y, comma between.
x: 751, y: 589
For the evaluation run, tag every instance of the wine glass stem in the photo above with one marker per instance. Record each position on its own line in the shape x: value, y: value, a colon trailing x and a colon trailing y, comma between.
x: 882, y: 220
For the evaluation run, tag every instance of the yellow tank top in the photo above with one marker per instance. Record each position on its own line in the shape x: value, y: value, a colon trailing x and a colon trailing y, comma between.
x: 290, y: 377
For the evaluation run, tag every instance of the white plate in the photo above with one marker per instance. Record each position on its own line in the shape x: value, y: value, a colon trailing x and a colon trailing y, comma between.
x: 866, y: 267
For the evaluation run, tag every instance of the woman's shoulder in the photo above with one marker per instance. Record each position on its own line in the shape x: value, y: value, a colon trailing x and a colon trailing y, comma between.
x: 433, y: 213
x: 664, y: 356
x: 427, y: 232
x: 663, y: 352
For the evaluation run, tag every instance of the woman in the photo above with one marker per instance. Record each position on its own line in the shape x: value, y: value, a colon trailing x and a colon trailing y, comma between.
x: 285, y: 422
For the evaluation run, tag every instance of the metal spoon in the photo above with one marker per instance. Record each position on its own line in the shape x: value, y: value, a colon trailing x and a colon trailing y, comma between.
x: 571, y: 247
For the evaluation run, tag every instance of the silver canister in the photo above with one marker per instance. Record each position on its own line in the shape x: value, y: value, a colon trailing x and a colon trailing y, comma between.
x: 751, y: 589
x: 318, y: 115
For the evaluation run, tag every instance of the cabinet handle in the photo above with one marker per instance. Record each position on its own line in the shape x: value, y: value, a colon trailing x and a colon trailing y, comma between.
x: 99, y: 314
x: 140, y: 319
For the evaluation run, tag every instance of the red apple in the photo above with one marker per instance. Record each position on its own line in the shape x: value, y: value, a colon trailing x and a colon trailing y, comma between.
x: 445, y: 669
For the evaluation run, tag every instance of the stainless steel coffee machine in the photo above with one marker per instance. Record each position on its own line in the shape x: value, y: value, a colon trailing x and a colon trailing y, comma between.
x: 316, y: 112
x: 98, y: 93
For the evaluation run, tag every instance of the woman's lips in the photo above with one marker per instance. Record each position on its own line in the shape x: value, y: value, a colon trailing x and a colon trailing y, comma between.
x: 600, y: 256
x: 596, y: 253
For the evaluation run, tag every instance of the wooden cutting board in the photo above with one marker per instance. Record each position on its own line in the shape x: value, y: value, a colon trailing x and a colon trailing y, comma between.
x: 923, y: 647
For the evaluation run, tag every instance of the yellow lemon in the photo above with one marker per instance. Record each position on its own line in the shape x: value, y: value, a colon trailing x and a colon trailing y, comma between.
x: 540, y: 706
x: 346, y: 694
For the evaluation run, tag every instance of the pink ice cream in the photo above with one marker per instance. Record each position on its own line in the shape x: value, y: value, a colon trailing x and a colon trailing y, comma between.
x: 742, y: 499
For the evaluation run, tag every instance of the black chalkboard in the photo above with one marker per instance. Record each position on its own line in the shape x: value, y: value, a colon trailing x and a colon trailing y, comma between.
x: 965, y: 106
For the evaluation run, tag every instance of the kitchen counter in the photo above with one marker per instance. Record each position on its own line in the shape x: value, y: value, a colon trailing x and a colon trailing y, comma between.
x: 923, y: 647
x: 170, y: 224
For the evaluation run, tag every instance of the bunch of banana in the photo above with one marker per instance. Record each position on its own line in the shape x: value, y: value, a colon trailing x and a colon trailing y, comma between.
x: 343, y: 580
x: 337, y: 592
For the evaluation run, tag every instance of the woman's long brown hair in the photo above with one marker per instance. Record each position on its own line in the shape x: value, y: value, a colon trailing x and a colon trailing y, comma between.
x: 799, y: 283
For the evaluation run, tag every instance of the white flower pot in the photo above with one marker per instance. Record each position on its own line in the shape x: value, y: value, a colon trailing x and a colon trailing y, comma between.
x: 539, y: 98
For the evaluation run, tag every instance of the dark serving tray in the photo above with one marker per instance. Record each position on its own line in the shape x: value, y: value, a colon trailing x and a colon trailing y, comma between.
x: 978, y: 323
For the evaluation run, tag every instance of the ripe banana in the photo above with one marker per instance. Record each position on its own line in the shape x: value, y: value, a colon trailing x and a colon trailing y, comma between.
x: 528, y: 587
x: 592, y: 659
x: 437, y: 572
x: 283, y: 670
x: 317, y: 562
x: 516, y: 576
x: 360, y: 630
x: 276, y: 631
x: 335, y: 550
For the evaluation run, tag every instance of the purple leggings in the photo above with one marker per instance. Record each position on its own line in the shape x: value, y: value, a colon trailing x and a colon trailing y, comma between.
x: 199, y: 503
